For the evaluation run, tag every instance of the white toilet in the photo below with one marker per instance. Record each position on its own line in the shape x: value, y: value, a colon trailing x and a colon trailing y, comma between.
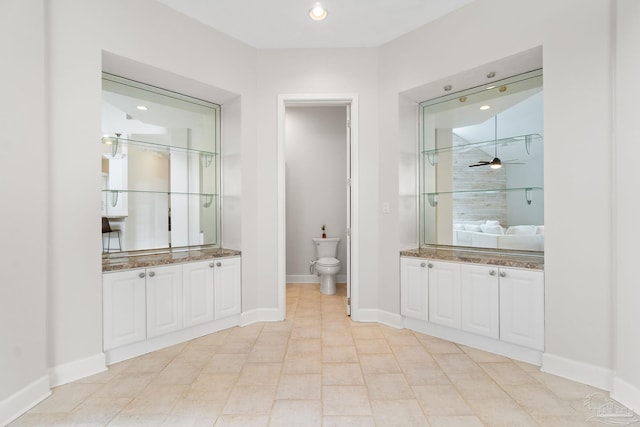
x: 326, y: 264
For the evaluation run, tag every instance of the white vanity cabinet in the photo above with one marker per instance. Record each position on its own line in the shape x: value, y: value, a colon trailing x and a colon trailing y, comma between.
x: 226, y: 280
x: 414, y: 291
x: 479, y: 300
x: 197, y: 285
x: 146, y: 309
x: 522, y: 307
x: 164, y: 299
x: 498, y: 309
x: 124, y: 307
x: 444, y: 293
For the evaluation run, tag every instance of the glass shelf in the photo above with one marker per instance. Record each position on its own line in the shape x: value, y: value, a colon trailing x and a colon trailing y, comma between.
x: 115, y: 142
x: 527, y: 140
x: 207, y: 198
x: 433, y: 197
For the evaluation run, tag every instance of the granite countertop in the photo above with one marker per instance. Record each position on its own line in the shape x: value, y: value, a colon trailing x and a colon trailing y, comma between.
x: 130, y: 260
x: 532, y: 260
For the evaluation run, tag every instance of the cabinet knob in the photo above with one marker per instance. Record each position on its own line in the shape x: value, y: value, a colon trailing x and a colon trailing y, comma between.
x: 151, y: 274
x: 219, y: 264
x: 492, y: 273
x: 423, y: 264
x: 430, y: 265
x: 141, y: 275
x: 503, y: 274
x: 211, y: 264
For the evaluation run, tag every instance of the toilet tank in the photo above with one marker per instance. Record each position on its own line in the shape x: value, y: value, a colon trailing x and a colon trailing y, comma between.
x: 326, y: 248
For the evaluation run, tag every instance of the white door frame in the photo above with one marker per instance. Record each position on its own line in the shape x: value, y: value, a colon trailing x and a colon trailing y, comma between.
x: 338, y: 99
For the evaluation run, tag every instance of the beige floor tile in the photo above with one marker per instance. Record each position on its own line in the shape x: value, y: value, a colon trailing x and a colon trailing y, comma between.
x: 342, y: 374
x: 339, y: 354
x: 507, y: 373
x: 501, y: 413
x: 156, y: 399
x: 178, y: 373
x: 126, y: 385
x: 388, y: 386
x: 225, y: 364
x: 251, y: 400
x: 400, y: 413
x: 425, y: 374
x: 260, y: 374
x: 441, y: 400
x: 456, y: 363
x: 66, y: 398
x: 374, y: 346
x: 372, y: 375
x: 379, y: 364
x: 411, y: 355
x: 347, y: 421
x: 440, y: 347
x: 345, y: 400
x: 455, y: 421
x: 242, y: 421
x: 302, y: 363
x: 135, y: 420
x: 299, y: 386
x: 211, y: 387
x: 479, y: 356
x: 337, y: 338
x: 293, y: 413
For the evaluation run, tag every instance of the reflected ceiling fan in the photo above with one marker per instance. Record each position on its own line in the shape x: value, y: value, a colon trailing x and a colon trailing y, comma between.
x: 496, y: 163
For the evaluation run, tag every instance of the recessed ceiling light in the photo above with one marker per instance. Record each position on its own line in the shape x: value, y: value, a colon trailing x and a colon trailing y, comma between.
x: 317, y: 13
x: 485, y: 107
x: 142, y: 108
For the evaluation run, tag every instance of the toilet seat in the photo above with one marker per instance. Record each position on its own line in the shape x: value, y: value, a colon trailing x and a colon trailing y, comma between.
x: 328, y: 262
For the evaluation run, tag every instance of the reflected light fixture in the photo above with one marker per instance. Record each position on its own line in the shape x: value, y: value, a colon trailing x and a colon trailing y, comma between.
x: 485, y: 107
x: 317, y: 12
x: 142, y: 107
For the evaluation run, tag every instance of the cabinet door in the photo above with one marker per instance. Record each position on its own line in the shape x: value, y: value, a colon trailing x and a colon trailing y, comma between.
x: 522, y: 307
x: 227, y: 285
x: 444, y: 293
x: 124, y: 314
x: 479, y: 300
x: 197, y: 297
x: 414, y: 288
x: 164, y: 300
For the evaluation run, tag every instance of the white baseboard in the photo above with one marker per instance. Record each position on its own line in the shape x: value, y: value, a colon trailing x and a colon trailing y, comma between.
x: 23, y: 400
x: 627, y: 394
x: 68, y: 372
x: 380, y: 316
x: 312, y: 278
x: 574, y: 370
x: 261, y: 315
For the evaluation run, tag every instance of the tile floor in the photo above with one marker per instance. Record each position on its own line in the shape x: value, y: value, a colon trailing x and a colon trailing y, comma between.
x: 317, y: 368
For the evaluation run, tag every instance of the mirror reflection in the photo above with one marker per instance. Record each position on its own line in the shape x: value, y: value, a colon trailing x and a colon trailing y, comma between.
x: 160, y: 168
x: 481, y: 167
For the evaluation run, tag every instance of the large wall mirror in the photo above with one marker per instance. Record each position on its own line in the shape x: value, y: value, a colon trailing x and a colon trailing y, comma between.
x: 160, y: 168
x: 481, y: 167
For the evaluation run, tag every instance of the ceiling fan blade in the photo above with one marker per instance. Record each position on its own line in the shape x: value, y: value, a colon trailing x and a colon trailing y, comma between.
x: 479, y: 164
x: 513, y: 163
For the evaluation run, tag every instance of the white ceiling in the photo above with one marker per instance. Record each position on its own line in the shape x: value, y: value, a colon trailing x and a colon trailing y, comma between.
x: 273, y: 24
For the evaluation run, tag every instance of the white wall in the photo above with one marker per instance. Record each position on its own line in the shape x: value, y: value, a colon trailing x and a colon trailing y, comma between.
x: 316, y: 178
x: 23, y: 226
x: 626, y: 205
x: 578, y: 310
x: 317, y: 71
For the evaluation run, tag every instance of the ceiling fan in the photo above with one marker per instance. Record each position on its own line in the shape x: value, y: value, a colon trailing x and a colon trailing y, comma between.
x: 496, y: 163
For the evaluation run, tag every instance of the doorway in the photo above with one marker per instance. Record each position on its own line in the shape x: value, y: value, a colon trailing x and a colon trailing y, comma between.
x: 346, y: 103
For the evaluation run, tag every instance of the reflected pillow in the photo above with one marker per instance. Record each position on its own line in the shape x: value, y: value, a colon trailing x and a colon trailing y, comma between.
x: 522, y: 230
x: 492, y: 229
x: 472, y: 227
x: 491, y: 222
